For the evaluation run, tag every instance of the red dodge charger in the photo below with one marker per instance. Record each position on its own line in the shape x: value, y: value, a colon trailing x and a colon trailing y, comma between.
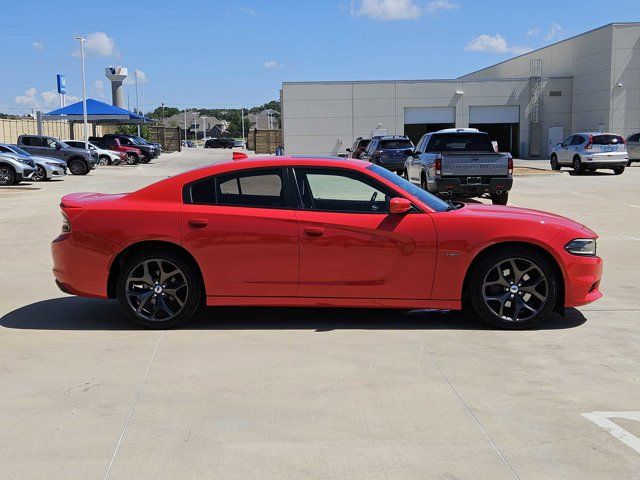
x: 288, y: 231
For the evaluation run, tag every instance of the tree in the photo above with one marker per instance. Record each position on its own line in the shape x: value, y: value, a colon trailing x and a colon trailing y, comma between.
x: 163, y: 112
x: 133, y: 130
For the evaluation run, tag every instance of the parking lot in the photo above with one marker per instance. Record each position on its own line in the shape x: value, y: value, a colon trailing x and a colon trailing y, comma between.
x: 308, y: 393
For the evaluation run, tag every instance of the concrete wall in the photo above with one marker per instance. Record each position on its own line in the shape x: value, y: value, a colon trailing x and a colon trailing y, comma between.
x: 625, y: 100
x: 325, y: 118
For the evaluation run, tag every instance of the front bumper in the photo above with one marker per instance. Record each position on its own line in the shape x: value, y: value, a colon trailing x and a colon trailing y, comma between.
x: 55, y: 171
x: 461, y: 188
x: 582, y: 280
x: 27, y: 173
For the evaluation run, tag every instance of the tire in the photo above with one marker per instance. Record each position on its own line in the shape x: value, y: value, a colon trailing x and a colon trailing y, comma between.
x: 578, y: 168
x: 132, y: 158
x: 7, y: 175
x: 77, y: 167
x: 145, y: 158
x: 618, y: 170
x: 554, y: 162
x: 40, y: 175
x: 492, y: 293
x: 147, y: 301
x: 423, y: 182
x: 104, y: 160
x: 500, y: 199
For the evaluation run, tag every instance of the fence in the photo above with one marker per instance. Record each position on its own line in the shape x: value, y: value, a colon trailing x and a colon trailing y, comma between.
x: 264, y: 141
x: 168, y: 137
x: 11, y: 128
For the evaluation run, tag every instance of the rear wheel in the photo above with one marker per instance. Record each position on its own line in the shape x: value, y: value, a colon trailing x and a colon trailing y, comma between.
x: 618, y: 170
x: 145, y: 158
x: 500, y: 198
x: 78, y: 167
x: 577, y: 165
x: 40, y: 175
x: 554, y: 162
x: 104, y: 160
x: 514, y: 289
x: 159, y: 290
x: 7, y: 176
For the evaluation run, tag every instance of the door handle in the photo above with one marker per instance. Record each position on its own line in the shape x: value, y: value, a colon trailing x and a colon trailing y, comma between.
x: 198, y: 222
x: 314, y: 231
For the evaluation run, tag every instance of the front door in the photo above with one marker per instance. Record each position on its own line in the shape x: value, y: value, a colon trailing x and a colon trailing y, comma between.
x: 352, y: 247
x: 242, y: 235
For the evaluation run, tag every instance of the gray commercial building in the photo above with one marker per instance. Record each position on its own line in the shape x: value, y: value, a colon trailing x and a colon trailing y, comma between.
x: 590, y: 82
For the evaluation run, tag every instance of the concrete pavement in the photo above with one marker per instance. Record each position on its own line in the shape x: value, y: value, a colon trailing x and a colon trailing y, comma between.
x: 296, y: 393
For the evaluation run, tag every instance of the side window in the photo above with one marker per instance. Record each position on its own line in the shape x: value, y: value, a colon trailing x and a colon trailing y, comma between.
x: 49, y: 142
x: 341, y: 191
x: 634, y: 138
x: 262, y: 188
x: 577, y: 140
x: 26, y: 141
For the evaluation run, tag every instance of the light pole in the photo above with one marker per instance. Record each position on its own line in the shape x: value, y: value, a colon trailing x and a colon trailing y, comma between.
x: 242, y: 121
x: 204, y: 127
x: 84, y: 95
x: 185, y: 126
x: 135, y: 74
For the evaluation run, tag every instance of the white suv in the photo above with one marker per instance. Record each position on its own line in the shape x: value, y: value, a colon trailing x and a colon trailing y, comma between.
x: 591, y: 151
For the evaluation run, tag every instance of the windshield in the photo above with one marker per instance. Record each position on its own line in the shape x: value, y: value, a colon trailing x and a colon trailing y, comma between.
x: 139, y: 140
x: 460, y: 142
x: 65, y: 145
x: 431, y: 200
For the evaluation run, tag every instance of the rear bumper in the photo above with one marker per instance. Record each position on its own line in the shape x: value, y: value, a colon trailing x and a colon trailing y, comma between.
x: 393, y: 165
x: 597, y: 163
x: 458, y: 187
x: 582, y: 280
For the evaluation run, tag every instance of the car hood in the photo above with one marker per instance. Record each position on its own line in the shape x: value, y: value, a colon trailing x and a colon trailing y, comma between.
x: 502, y: 213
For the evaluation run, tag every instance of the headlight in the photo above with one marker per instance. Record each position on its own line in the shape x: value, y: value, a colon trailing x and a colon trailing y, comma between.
x: 23, y: 160
x: 53, y: 164
x: 581, y: 246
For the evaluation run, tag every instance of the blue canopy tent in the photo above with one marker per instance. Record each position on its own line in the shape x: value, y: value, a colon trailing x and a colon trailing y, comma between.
x: 97, y: 112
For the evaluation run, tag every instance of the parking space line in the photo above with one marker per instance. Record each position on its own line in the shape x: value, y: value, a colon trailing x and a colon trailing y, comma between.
x: 133, y: 406
x: 632, y: 205
x: 602, y: 420
x: 468, y: 410
x: 583, y: 195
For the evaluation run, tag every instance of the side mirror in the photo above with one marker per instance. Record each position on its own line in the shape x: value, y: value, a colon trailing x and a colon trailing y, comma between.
x: 348, y: 149
x: 399, y: 205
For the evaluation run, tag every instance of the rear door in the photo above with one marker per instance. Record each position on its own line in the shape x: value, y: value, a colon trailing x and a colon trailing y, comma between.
x: 633, y: 147
x: 243, y: 234
x: 352, y: 247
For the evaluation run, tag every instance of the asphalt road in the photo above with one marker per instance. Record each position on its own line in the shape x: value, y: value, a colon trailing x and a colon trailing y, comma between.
x: 295, y: 393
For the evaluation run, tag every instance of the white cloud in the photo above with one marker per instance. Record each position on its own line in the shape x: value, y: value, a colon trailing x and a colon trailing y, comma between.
x: 555, y: 31
x: 386, y: 9
x: 48, y: 99
x: 532, y: 32
x: 98, y: 44
x: 271, y: 64
x: 38, y: 45
x: 438, y: 5
x: 131, y: 79
x: 98, y: 89
x: 249, y: 11
x: 494, y: 44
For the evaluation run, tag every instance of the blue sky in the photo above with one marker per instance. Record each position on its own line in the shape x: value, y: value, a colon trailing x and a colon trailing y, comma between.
x: 229, y: 53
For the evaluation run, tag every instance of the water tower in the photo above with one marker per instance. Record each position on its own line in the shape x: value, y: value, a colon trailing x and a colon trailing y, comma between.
x: 116, y: 76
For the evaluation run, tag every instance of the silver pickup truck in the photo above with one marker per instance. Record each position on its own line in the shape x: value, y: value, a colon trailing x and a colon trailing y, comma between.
x: 461, y: 163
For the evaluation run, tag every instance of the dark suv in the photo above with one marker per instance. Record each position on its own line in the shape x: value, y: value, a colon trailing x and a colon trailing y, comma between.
x: 390, y: 152
x: 358, y: 147
x: 219, y: 143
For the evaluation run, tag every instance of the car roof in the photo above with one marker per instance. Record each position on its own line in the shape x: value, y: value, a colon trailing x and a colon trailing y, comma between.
x: 392, y: 137
x: 596, y: 133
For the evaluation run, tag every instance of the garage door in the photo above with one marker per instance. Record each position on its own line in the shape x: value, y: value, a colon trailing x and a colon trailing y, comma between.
x: 427, y: 115
x: 495, y: 114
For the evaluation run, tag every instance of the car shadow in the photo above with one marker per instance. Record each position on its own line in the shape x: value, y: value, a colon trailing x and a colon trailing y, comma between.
x: 77, y: 313
x: 590, y: 173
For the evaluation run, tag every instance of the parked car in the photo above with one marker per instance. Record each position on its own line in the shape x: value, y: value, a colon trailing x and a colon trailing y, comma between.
x: 390, y: 152
x: 219, y: 143
x: 461, y: 163
x: 46, y: 167
x: 133, y: 154
x: 633, y: 148
x: 147, y: 152
x: 589, y: 151
x: 79, y: 161
x: 359, y: 146
x: 168, y: 249
x: 143, y: 141
x: 105, y: 157
x: 239, y: 144
x: 14, y: 169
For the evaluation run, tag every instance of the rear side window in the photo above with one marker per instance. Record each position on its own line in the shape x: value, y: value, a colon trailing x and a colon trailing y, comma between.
x: 634, y: 138
x: 264, y: 188
x: 607, y: 140
x: 459, y: 142
x: 396, y: 144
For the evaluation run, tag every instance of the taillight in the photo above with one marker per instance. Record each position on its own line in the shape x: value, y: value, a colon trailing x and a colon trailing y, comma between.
x: 438, y: 165
x: 66, y: 225
x: 589, y: 143
x: 510, y: 165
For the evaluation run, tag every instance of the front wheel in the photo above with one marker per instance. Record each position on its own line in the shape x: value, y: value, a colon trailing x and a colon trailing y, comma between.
x: 554, y: 163
x: 618, y: 170
x: 500, y: 198
x: 145, y: 158
x: 78, y: 167
x: 159, y: 290
x: 40, y: 175
x: 514, y: 289
x: 104, y: 160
